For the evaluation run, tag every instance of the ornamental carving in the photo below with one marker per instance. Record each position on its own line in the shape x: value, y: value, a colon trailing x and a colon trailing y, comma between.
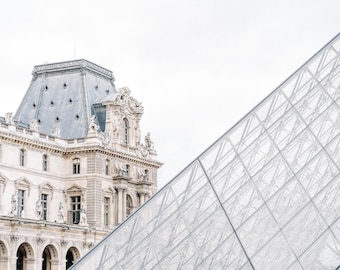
x: 123, y: 98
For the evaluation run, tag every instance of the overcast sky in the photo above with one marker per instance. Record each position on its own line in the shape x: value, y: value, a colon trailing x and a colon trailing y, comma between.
x: 197, y: 66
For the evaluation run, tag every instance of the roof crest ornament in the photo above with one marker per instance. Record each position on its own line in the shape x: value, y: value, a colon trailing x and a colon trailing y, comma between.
x: 74, y: 64
x: 123, y: 98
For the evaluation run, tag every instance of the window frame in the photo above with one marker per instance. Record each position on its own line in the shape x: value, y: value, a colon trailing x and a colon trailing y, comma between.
x: 44, y: 205
x: 125, y: 134
x: 107, y: 166
x: 20, y: 201
x: 128, y: 205
x: 45, y: 162
x: 106, y: 211
x: 22, y: 155
x: 76, y: 166
x: 75, y: 207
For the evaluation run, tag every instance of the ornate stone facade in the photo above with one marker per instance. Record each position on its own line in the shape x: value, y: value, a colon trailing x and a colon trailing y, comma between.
x: 61, y: 194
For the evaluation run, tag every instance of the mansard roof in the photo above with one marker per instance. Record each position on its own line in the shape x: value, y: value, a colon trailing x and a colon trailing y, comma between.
x: 61, y: 95
x: 265, y: 195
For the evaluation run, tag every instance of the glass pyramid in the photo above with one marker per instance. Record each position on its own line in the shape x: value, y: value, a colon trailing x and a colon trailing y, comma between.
x: 266, y: 195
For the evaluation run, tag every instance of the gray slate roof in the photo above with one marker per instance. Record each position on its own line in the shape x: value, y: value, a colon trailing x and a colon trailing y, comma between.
x: 62, y: 95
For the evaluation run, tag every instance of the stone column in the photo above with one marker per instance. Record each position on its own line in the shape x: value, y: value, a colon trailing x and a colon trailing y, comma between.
x: 1, y: 196
x: 119, y: 205
x: 141, y: 197
x: 124, y: 203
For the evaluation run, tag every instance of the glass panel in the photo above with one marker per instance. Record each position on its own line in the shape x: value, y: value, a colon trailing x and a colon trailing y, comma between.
x: 328, y: 201
x: 323, y: 254
x: 274, y: 255
x: 304, y: 229
x: 317, y: 173
x: 218, y: 157
x: 272, y: 177
x: 287, y: 202
x: 301, y: 150
x: 243, y: 204
x: 258, y: 230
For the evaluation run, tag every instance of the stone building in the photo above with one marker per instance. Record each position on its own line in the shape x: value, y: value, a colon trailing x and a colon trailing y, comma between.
x: 73, y: 165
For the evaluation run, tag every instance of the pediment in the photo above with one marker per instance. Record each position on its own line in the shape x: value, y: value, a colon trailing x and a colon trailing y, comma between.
x: 23, y: 183
x: 46, y: 187
x: 75, y: 188
x: 109, y: 190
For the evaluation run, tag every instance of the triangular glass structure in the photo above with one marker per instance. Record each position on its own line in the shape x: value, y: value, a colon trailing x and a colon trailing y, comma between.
x: 266, y: 195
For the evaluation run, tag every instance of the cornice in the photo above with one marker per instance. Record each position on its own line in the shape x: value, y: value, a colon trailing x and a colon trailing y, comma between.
x: 115, y: 154
x: 83, y: 148
x: 13, y: 138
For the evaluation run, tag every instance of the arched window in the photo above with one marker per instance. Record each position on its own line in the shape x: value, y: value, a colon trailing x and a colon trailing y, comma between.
x: 128, y: 206
x: 76, y: 166
x: 21, y: 257
x: 72, y: 256
x: 69, y: 259
x: 25, y: 257
x: 125, y: 134
x: 46, y: 259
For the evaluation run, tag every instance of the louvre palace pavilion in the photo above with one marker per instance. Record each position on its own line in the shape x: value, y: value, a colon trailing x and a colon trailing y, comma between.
x: 73, y: 165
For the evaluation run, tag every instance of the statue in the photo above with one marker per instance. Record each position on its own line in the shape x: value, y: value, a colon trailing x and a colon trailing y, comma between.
x: 93, y: 126
x: 148, y: 142
x: 34, y: 125
x: 13, y: 205
x: 61, y: 212
x: 56, y: 131
x: 9, y: 118
x: 38, y: 209
x: 116, y: 126
x: 105, y: 139
x: 138, y: 135
x: 83, y: 219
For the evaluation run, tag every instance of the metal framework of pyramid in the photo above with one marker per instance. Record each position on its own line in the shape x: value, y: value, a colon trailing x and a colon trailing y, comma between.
x: 266, y: 195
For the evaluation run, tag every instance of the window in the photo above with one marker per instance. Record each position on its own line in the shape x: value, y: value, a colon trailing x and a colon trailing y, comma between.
x: 107, y: 166
x: 146, y: 175
x: 44, y: 163
x: 44, y: 206
x: 125, y: 131
x: 76, y: 166
x: 128, y: 205
x: 126, y: 172
x: 21, y: 202
x: 22, y: 157
x: 75, y: 210
x: 106, y: 211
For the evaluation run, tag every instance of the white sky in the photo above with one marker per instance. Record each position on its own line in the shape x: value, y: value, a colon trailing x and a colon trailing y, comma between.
x: 197, y: 66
